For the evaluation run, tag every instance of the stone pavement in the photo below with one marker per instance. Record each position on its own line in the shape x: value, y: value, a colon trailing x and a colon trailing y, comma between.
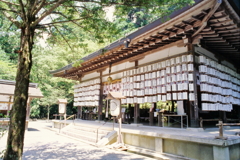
x: 43, y: 144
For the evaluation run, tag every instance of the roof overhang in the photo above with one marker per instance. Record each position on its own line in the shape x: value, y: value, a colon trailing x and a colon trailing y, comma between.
x: 212, y: 24
x: 7, y: 89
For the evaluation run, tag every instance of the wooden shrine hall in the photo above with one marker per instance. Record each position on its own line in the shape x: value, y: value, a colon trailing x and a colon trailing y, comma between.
x: 186, y: 66
x: 7, y: 96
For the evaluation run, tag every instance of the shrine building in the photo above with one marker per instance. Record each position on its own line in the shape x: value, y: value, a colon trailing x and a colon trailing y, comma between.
x: 186, y: 66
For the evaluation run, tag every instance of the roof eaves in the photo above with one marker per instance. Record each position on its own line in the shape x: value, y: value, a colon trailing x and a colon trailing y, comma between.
x: 131, y: 35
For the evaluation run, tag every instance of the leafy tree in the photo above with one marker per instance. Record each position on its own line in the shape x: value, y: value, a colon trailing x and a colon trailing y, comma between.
x: 7, y: 69
x: 30, y: 15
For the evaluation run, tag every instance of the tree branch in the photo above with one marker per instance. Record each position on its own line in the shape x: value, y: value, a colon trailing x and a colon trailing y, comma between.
x: 63, y: 37
x: 38, y: 8
x: 46, y: 13
x: 8, y: 10
x: 22, y: 9
x: 9, y: 3
x: 14, y: 21
x: 46, y: 24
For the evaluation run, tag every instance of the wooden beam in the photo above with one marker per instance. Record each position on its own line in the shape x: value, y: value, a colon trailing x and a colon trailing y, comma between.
x: 208, y: 16
x: 158, y: 40
x: 231, y: 34
x: 218, y: 18
x: 225, y: 27
x: 221, y: 23
x: 196, y: 18
x: 215, y: 38
x: 229, y: 30
x: 207, y: 32
x: 219, y: 12
x: 207, y: 28
x: 196, y: 39
x: 210, y: 35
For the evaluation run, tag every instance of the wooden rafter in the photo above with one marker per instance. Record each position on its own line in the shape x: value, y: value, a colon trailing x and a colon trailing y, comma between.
x: 208, y: 16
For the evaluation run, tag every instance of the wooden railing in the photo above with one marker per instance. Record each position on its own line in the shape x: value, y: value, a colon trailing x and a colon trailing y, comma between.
x: 221, y: 124
x: 103, y: 125
x: 201, y: 121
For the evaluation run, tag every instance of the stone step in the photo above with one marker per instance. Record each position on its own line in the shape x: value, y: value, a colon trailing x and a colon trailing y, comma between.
x: 94, y: 130
x: 103, y: 126
x: 81, y: 137
x: 85, y: 133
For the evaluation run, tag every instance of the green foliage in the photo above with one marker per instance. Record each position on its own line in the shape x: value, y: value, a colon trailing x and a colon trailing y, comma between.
x: 7, y: 69
x: 78, y: 63
x: 8, y: 39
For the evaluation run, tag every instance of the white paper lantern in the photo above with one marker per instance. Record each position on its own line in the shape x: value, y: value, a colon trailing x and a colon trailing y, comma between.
x: 163, y: 63
x: 190, y: 77
x: 168, y: 87
x: 202, y: 69
x: 174, y: 87
x: 164, y: 98
x: 178, y: 60
x: 163, y: 89
x: 202, y: 59
x: 190, y: 67
x: 163, y: 73
x: 185, y: 95
x: 149, y: 68
x: 189, y: 58
x: 205, y: 97
x: 154, y: 99
x: 174, y: 78
x: 169, y: 96
x: 174, y: 96
x: 168, y: 63
x: 168, y: 70
x: 183, y: 68
x: 159, y: 89
x: 172, y: 61
x: 205, y: 107
x: 184, y: 58
x: 178, y: 68
x: 180, y: 97
x: 179, y: 86
x: 191, y: 96
x: 154, y: 74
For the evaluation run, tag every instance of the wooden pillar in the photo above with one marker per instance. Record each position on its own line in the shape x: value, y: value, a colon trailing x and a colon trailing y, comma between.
x: 136, y: 113
x: 194, y: 117
x: 222, y: 116
x: 151, y: 114
x: 100, y: 104
x: 79, y: 112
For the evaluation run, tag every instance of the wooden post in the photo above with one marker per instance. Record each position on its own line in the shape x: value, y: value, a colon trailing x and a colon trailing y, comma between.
x: 136, y: 113
x: 151, y: 114
x: 100, y: 104
x: 194, y: 117
x: 222, y: 116
x: 79, y: 112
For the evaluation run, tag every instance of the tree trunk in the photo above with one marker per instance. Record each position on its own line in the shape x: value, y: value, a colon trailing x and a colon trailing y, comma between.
x: 16, y: 132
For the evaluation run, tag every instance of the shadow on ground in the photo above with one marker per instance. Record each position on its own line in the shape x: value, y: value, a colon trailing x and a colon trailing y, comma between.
x: 70, y: 151
x: 32, y: 129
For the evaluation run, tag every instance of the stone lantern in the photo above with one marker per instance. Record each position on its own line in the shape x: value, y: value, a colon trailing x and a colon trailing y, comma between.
x: 62, y: 103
